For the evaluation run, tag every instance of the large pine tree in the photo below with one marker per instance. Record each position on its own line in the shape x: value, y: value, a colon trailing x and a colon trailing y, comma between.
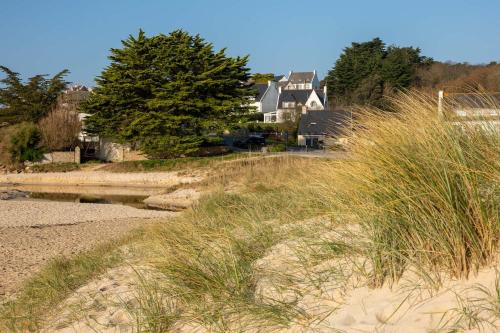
x: 168, y: 93
x: 365, y: 71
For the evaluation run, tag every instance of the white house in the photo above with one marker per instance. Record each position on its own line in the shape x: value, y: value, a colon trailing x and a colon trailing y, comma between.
x: 302, y: 81
x: 267, y: 97
x: 298, y: 93
x: 294, y: 102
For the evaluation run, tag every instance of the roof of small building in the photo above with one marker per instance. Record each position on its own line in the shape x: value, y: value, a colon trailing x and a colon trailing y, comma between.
x: 278, y: 77
x: 323, y: 122
x: 474, y: 101
x: 301, y: 77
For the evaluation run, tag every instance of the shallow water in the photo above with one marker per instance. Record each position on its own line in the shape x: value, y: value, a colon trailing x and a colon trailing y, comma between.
x: 135, y: 201
x: 88, y: 194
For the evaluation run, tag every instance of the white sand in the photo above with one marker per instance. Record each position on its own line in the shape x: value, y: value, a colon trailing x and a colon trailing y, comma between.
x: 406, y: 308
x: 331, y: 297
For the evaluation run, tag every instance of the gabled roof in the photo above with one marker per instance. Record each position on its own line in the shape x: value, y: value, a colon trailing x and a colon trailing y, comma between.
x: 301, y: 77
x: 298, y: 96
x: 321, y: 95
x: 261, y: 90
x: 324, y: 122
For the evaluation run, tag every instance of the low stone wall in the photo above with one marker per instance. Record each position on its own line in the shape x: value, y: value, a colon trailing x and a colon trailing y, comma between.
x: 114, y: 152
x: 62, y: 156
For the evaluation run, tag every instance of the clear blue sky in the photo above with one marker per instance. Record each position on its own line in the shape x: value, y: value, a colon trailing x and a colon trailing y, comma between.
x: 46, y: 36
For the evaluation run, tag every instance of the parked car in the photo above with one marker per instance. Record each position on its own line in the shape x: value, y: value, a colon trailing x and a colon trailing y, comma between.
x: 251, y: 142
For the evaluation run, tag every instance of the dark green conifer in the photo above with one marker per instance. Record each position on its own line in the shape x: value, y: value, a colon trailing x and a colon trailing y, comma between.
x: 168, y: 94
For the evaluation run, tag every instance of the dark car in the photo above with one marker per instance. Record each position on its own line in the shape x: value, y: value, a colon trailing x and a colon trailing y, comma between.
x: 251, y: 142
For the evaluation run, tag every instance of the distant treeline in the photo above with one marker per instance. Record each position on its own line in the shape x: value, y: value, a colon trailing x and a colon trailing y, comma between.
x: 368, y: 72
x: 458, y: 77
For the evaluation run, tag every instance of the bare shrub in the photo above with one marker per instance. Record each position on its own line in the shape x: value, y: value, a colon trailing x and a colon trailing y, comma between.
x: 60, y: 129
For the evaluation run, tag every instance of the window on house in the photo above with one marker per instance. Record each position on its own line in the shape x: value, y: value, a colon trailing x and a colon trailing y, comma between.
x: 270, y: 117
x: 288, y: 104
x: 313, y: 104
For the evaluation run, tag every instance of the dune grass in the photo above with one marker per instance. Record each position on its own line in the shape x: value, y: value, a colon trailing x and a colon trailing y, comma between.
x: 425, y: 190
x: 207, y: 256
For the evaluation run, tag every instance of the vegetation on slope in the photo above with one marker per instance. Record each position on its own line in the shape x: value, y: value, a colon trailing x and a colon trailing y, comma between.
x: 425, y: 190
x: 173, y: 164
x: 418, y: 193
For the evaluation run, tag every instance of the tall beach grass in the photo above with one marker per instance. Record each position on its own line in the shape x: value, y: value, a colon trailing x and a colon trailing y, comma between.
x: 424, y: 189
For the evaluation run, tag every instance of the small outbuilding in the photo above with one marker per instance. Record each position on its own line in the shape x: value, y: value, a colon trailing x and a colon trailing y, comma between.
x: 319, y: 129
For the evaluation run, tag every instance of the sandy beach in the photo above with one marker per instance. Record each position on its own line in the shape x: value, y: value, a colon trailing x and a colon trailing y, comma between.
x: 32, y: 233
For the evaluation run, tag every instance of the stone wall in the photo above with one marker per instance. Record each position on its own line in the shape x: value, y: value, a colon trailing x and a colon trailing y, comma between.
x: 62, y: 156
x: 115, y: 152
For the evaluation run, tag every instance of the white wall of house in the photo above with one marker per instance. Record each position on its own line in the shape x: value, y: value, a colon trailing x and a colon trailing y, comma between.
x: 314, y: 102
x: 257, y: 106
x: 278, y: 116
x: 270, y: 117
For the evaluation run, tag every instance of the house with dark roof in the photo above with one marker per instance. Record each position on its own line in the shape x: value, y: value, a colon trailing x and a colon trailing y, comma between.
x: 291, y: 103
x: 267, y: 97
x: 318, y: 129
x: 297, y: 93
x: 302, y: 81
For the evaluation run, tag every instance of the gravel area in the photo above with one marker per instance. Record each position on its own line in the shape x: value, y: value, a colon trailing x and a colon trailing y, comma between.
x: 32, y: 233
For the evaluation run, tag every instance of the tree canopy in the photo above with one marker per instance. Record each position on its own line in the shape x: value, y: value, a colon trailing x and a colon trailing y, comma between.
x: 366, y: 71
x: 28, y: 101
x: 260, y: 78
x: 168, y: 94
